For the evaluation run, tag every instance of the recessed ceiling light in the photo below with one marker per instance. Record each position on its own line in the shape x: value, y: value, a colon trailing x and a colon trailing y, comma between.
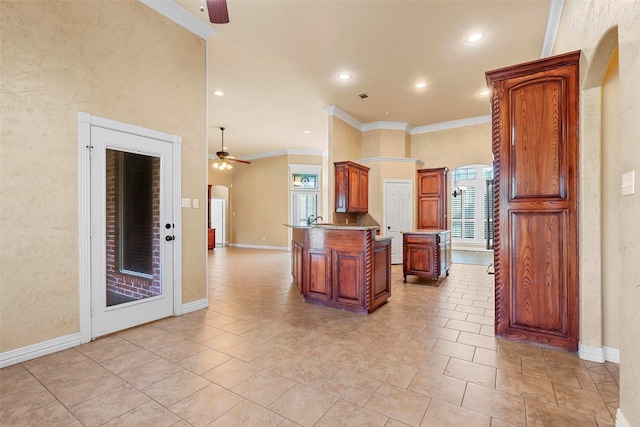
x: 484, y: 92
x: 344, y: 76
x: 421, y: 85
x: 307, y: 131
x: 218, y: 93
x: 475, y: 37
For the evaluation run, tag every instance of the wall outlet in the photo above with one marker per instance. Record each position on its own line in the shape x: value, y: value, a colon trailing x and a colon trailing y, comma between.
x: 186, y: 203
x: 629, y: 183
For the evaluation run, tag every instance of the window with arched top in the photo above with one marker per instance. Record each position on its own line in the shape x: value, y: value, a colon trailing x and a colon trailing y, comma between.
x: 471, y: 201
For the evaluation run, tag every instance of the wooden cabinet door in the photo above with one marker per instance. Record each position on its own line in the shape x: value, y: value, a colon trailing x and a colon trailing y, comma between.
x: 347, y: 277
x: 432, y: 199
x: 353, y: 198
x: 318, y: 280
x: 535, y: 131
x: 363, y: 191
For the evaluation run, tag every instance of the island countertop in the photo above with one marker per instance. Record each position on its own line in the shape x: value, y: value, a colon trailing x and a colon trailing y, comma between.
x: 336, y: 226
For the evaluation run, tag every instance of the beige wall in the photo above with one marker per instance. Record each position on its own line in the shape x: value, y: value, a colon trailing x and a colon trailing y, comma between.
x: 453, y: 148
x: 59, y: 58
x: 383, y: 143
x: 260, y: 200
x: 611, y: 198
x: 345, y: 143
x: 583, y: 25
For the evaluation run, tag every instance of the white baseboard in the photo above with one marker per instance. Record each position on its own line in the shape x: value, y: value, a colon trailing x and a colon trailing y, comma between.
x: 611, y: 354
x: 277, y: 248
x: 621, y: 421
x: 43, y: 348
x: 599, y: 354
x: 195, y: 305
x: 594, y: 354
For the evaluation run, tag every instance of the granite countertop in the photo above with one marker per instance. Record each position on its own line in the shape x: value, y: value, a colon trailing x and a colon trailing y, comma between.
x: 424, y: 231
x: 336, y: 226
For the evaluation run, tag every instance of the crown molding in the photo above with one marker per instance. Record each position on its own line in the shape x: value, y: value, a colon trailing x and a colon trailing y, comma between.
x: 452, y: 124
x: 332, y: 110
x: 181, y: 16
x: 285, y: 152
x: 390, y: 159
x: 553, y: 23
x: 386, y: 126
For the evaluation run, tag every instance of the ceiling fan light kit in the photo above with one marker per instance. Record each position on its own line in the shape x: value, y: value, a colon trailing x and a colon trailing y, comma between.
x: 224, y: 158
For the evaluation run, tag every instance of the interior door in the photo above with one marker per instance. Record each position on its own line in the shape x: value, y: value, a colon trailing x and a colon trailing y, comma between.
x: 218, y: 220
x: 398, y: 216
x: 132, y: 234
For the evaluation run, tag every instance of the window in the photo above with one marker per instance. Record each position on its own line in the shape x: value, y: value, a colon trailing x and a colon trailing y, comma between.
x: 305, y: 181
x: 136, y: 220
x: 468, y: 206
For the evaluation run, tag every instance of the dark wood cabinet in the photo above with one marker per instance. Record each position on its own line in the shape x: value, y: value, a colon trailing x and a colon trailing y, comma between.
x: 426, y: 254
x: 351, y: 187
x: 535, y: 146
x: 342, y: 267
x: 211, y: 238
x: 432, y: 199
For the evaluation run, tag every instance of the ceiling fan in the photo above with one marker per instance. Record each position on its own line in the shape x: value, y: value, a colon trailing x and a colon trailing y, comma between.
x: 218, y: 13
x: 224, y: 158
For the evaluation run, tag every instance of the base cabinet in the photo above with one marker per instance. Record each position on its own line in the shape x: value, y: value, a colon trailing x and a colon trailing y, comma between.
x: 211, y: 238
x: 426, y: 254
x: 341, y: 268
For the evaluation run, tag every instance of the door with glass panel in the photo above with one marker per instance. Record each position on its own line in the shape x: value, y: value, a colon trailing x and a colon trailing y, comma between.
x: 132, y: 230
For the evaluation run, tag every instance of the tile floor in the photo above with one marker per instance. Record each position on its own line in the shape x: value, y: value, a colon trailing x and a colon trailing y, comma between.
x: 259, y: 356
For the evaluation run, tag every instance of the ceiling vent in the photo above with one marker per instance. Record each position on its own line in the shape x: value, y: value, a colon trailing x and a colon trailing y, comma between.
x: 363, y: 95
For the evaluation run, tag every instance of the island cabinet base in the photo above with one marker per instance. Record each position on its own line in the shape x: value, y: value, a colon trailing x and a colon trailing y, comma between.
x: 341, y: 268
x: 426, y: 254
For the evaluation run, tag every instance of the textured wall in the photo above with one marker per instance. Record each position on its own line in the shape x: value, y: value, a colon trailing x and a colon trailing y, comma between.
x: 118, y: 60
x: 453, y: 148
x: 583, y: 25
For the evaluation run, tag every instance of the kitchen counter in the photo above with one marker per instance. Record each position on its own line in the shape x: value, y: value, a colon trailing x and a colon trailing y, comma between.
x: 341, y: 266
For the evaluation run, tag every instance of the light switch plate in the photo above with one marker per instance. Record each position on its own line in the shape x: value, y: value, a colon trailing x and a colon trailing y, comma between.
x: 196, y: 203
x: 186, y: 202
x: 629, y: 183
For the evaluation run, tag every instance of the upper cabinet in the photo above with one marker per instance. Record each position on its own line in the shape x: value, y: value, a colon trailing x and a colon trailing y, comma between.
x: 352, y: 187
x: 432, y: 199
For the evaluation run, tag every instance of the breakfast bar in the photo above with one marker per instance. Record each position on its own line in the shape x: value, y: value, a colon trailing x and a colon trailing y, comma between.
x: 341, y: 266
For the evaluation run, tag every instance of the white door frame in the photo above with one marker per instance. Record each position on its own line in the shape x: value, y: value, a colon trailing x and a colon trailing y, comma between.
x: 223, y: 232
x: 384, y: 202
x: 85, y: 122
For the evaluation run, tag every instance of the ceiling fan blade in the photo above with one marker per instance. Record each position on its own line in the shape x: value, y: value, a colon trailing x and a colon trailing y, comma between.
x: 218, y: 13
x: 233, y: 159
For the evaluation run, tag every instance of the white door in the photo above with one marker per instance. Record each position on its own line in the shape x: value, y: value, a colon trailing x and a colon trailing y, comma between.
x: 398, y: 207
x: 218, y: 220
x: 132, y: 230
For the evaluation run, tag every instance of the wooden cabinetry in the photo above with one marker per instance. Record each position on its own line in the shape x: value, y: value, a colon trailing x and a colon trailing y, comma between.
x: 352, y: 187
x: 211, y: 238
x: 432, y: 199
x: 342, y: 267
x: 426, y: 254
x: 535, y: 146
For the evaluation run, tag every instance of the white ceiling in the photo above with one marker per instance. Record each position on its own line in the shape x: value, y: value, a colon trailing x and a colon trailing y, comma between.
x: 277, y: 63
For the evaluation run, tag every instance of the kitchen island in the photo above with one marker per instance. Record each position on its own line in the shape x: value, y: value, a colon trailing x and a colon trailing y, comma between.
x: 426, y: 253
x: 341, y: 266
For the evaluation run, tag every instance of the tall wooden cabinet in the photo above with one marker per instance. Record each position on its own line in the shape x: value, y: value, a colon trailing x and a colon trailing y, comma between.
x: 535, y: 148
x: 432, y: 199
x: 352, y: 187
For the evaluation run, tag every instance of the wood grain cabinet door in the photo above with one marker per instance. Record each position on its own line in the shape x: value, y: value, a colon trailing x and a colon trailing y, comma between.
x: 432, y: 199
x: 535, y: 143
x: 318, y: 280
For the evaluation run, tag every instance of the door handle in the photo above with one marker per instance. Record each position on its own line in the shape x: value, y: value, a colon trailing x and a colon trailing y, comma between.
x: 389, y: 227
x: 169, y: 238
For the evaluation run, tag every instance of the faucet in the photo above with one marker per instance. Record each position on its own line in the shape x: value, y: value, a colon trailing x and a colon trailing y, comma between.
x: 311, y: 219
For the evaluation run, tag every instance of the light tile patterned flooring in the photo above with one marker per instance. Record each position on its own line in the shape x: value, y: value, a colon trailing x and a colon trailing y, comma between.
x: 260, y: 356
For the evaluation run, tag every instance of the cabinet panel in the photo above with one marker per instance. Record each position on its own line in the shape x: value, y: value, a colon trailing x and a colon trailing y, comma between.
x: 347, y: 276
x: 537, y: 154
x: 538, y: 273
x: 420, y: 259
x: 319, y: 274
x: 363, y: 192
